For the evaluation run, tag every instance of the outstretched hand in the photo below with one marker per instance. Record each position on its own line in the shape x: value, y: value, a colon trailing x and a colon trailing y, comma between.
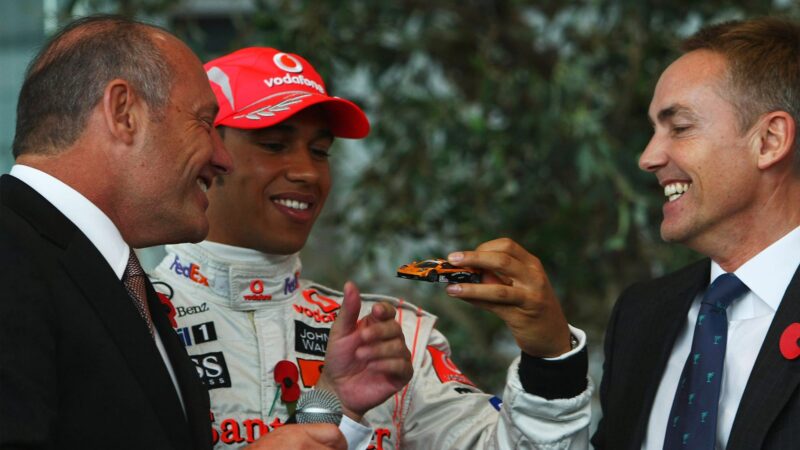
x: 516, y: 288
x: 367, y: 360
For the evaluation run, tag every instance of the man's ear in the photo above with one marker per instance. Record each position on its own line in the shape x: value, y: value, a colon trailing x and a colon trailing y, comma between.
x: 777, y: 132
x: 123, y: 110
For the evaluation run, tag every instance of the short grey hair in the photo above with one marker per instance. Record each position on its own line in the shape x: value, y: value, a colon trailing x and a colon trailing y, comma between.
x: 66, y: 79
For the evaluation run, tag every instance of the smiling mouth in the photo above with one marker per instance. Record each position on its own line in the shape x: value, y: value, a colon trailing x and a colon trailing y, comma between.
x: 674, y: 191
x: 292, y: 204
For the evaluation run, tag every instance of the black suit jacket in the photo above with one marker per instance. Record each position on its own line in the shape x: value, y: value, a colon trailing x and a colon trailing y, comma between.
x: 78, y: 368
x: 643, y: 327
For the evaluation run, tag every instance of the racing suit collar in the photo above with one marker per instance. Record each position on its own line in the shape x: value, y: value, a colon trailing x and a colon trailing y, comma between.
x: 243, y: 279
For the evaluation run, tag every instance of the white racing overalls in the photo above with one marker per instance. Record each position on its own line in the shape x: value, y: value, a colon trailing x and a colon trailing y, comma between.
x: 240, y: 312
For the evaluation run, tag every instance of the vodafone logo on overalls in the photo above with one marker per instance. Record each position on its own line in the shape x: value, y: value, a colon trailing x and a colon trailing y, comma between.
x: 257, y: 292
x: 256, y: 286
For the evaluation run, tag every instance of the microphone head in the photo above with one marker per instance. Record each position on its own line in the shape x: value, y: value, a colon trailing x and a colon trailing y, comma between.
x: 318, y: 406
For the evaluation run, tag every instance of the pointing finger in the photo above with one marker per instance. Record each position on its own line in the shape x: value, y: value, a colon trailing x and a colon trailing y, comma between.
x: 348, y: 314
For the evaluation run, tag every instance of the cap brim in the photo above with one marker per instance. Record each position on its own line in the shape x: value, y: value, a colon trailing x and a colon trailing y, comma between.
x: 345, y: 118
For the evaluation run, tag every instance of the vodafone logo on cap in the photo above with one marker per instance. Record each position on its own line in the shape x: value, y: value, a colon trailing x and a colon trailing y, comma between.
x: 287, y: 62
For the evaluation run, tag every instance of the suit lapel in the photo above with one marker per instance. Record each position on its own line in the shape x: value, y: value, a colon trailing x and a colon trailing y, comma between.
x: 772, y: 381
x: 109, y: 299
x: 193, y: 392
x: 84, y: 264
x: 658, y: 330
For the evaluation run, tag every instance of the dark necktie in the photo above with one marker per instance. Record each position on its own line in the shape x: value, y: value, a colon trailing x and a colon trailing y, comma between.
x: 693, y: 417
x: 134, y: 280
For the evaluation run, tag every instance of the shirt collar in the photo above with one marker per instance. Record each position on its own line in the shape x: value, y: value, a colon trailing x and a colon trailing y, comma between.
x: 92, y: 222
x: 769, y: 273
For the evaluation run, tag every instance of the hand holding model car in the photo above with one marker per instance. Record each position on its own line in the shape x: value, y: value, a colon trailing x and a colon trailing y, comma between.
x: 502, y: 277
x: 438, y: 271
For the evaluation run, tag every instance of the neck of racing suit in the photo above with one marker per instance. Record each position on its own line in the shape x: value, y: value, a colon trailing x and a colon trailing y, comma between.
x: 243, y: 279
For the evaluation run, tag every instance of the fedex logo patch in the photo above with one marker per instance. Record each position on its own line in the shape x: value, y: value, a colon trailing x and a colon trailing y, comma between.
x: 192, y: 271
x: 290, y: 284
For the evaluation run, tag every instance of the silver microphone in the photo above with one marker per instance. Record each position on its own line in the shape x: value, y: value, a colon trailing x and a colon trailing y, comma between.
x: 318, y: 406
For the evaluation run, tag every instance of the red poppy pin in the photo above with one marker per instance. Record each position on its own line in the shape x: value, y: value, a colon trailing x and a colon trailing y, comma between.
x: 789, y: 346
x: 286, y: 375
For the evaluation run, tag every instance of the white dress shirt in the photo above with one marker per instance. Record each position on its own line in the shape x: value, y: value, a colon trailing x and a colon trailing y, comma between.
x: 767, y: 275
x: 92, y: 222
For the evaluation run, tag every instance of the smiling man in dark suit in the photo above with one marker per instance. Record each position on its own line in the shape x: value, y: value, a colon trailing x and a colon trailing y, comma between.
x: 694, y: 360
x: 114, y: 149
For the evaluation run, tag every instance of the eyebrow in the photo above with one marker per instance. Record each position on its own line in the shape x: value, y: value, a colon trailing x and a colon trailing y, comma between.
x: 672, y: 111
x: 287, y: 128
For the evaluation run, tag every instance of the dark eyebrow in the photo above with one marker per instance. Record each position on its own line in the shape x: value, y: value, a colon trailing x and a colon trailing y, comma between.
x: 325, y: 134
x: 288, y: 128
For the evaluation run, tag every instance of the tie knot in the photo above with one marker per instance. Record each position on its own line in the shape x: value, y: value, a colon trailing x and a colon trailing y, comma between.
x: 725, y: 289
x: 133, y: 269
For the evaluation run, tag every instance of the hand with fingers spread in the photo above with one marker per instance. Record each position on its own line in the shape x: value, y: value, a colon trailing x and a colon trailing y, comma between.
x: 516, y: 288
x: 367, y: 360
x: 318, y: 436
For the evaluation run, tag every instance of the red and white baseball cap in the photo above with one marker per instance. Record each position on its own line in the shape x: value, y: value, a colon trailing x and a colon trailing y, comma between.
x: 258, y: 87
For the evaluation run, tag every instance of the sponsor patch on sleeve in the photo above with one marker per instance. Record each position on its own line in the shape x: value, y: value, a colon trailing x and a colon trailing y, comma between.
x: 445, y: 369
x: 496, y: 402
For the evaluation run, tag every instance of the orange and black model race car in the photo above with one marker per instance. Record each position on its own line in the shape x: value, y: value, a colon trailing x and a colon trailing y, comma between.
x: 438, y: 270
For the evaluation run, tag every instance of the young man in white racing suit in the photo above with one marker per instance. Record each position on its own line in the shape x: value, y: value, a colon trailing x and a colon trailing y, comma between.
x: 255, y: 328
